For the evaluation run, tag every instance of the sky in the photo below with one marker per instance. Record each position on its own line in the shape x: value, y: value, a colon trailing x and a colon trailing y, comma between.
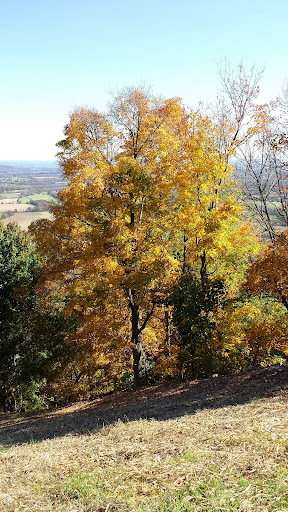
x: 57, y: 55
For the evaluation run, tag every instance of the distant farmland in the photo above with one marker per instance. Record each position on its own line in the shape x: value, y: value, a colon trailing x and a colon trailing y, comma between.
x: 24, y: 219
x: 4, y: 207
x: 27, y: 189
x: 35, y: 197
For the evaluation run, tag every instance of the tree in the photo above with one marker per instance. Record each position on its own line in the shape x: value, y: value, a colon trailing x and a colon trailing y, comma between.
x: 111, y: 238
x: 194, y: 307
x: 136, y: 211
x: 250, y: 331
x: 268, y: 275
x: 234, y: 120
x: 32, y: 331
x: 256, y: 136
x: 262, y: 173
x: 19, y: 358
x: 237, y: 114
x: 252, y: 135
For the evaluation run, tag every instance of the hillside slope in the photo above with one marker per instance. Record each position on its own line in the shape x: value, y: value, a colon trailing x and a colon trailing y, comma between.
x: 216, y: 444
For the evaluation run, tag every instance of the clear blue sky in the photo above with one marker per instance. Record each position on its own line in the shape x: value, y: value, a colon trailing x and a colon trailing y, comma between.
x: 56, y: 55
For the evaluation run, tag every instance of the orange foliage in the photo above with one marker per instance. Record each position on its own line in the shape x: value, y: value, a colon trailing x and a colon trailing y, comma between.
x: 139, y: 178
x: 269, y: 274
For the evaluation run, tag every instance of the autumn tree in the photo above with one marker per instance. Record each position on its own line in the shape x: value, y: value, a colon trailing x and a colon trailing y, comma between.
x: 250, y: 331
x: 217, y: 247
x: 148, y: 194
x: 110, y: 243
x: 268, y: 274
x: 232, y: 122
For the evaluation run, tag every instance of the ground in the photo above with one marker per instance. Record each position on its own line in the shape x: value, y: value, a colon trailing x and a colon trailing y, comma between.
x: 217, y: 444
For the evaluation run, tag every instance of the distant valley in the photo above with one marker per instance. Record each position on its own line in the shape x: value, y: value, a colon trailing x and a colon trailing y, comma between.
x: 27, y: 189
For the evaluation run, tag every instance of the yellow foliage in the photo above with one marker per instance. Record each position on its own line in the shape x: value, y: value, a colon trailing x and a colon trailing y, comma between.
x: 254, y: 328
x: 268, y: 275
x: 141, y: 180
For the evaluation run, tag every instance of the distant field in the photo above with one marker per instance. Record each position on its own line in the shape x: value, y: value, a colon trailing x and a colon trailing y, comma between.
x: 24, y: 219
x: 4, y: 207
x: 23, y: 183
x: 10, y: 195
x: 31, y: 180
x: 8, y: 200
x: 35, y: 197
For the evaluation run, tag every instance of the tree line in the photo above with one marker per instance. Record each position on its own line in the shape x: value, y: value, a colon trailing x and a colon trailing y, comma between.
x: 152, y: 266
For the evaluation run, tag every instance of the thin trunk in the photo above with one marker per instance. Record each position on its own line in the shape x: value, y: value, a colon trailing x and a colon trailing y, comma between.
x: 138, y: 363
x: 203, y: 270
x: 132, y: 218
x: 255, y: 356
x: 185, y: 240
x: 136, y: 339
x: 137, y: 348
x: 168, y: 327
x: 270, y: 228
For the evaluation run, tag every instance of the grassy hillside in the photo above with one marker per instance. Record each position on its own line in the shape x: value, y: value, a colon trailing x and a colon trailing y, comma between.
x: 218, y: 444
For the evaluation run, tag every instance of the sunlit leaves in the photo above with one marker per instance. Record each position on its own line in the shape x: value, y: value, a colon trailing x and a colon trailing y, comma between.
x: 254, y: 330
x: 268, y: 275
x: 148, y: 193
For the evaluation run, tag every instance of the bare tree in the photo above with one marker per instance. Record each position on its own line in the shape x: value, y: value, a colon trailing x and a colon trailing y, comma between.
x: 236, y: 111
x: 252, y: 137
x: 261, y: 173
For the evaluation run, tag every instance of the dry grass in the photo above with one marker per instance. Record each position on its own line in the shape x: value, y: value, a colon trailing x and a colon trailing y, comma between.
x: 220, y: 444
x: 24, y: 219
x: 4, y: 207
x: 8, y: 200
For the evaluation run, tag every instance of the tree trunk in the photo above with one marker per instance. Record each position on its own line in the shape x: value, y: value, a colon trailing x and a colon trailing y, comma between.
x: 255, y: 355
x: 203, y: 270
x: 138, y: 363
x: 136, y: 340
x: 185, y: 240
x: 168, y: 328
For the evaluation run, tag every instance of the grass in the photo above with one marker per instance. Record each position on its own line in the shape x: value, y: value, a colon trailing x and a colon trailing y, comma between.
x: 35, y: 197
x: 215, y: 445
x: 10, y: 195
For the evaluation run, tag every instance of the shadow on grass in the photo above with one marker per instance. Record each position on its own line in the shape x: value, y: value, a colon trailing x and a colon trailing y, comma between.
x: 161, y: 402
